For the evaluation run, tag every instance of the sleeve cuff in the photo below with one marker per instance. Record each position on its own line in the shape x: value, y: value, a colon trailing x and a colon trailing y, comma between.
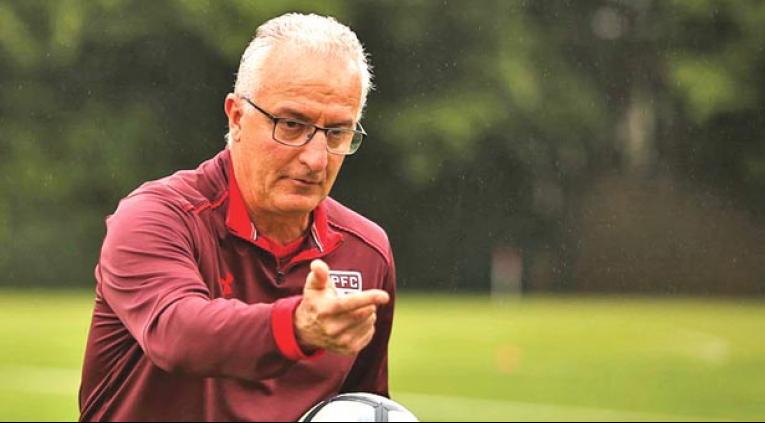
x: 283, y: 328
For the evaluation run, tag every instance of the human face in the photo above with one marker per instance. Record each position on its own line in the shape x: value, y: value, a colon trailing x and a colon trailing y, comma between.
x: 283, y: 180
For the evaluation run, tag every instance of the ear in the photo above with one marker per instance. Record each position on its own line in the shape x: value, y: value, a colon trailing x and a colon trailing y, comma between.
x: 233, y: 109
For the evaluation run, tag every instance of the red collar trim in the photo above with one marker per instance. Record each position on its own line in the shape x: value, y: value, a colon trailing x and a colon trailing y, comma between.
x: 324, y: 238
x: 237, y: 218
x: 280, y: 251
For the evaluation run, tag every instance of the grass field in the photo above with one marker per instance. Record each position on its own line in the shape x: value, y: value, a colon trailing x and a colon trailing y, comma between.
x: 472, y: 359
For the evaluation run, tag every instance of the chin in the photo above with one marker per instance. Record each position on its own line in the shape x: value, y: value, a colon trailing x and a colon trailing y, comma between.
x: 299, y: 205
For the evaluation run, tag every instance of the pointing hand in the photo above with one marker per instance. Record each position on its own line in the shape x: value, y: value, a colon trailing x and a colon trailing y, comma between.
x: 343, y: 324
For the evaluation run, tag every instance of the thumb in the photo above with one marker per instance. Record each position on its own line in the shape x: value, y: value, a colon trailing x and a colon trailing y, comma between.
x: 318, y: 278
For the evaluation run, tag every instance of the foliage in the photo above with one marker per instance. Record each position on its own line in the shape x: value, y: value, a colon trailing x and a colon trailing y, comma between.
x: 487, y: 120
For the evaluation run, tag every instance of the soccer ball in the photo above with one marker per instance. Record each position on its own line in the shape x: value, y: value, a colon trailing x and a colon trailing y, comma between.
x: 358, y: 407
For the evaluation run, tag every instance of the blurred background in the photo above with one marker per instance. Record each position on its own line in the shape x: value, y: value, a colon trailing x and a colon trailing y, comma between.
x: 573, y: 190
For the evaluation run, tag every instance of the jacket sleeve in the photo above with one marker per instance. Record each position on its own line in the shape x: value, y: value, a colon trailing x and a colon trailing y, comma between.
x: 149, y: 277
x: 370, y: 370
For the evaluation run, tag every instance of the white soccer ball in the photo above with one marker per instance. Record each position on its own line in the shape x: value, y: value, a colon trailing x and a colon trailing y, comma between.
x: 358, y: 407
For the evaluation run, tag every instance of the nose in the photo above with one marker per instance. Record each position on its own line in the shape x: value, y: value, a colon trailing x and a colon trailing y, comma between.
x: 314, y: 154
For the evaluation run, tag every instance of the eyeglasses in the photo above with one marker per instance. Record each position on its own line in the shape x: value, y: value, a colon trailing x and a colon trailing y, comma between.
x: 296, y: 133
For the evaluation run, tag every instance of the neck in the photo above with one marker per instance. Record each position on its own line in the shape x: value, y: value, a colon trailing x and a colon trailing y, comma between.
x: 283, y: 229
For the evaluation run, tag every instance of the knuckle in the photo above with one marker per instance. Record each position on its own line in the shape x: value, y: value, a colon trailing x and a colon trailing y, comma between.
x: 362, y: 342
x: 364, y: 313
x: 359, y: 315
x: 369, y: 323
x: 371, y: 332
x: 322, y: 312
x: 370, y: 311
x: 331, y: 307
x: 347, y: 340
x: 332, y: 331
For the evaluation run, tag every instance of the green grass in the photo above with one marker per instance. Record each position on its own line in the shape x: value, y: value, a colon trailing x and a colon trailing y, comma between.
x: 43, y: 338
x: 581, y: 359
x: 472, y: 359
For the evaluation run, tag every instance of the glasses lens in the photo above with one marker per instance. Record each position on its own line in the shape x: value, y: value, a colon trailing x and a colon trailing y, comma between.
x: 291, y: 131
x: 358, y: 137
x: 339, y: 140
x: 297, y: 133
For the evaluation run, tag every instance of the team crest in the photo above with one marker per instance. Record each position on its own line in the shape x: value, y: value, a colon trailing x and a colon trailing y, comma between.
x: 346, y: 282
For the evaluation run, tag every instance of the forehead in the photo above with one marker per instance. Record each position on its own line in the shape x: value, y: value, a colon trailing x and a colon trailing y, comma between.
x: 330, y: 82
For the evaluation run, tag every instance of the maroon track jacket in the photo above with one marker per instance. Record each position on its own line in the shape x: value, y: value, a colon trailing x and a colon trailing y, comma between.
x: 193, y: 311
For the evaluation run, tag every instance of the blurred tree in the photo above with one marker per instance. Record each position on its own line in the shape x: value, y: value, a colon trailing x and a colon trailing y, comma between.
x: 96, y: 98
x: 488, y: 119
x: 716, y: 74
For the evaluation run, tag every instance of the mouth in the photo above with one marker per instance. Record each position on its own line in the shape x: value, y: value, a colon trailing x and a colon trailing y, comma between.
x: 306, y: 182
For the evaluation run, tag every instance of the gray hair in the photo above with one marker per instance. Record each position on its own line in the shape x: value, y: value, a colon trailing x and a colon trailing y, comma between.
x: 322, y: 34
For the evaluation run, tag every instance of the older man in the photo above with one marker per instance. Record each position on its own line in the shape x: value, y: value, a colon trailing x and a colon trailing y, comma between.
x: 223, y: 292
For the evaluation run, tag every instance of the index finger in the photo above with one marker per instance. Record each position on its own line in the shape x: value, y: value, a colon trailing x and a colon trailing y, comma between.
x: 348, y: 303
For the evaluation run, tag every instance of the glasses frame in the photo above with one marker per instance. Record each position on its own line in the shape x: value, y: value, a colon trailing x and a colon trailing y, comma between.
x: 276, y: 119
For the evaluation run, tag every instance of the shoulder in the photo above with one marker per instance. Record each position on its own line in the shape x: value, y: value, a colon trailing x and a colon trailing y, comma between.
x: 184, y: 190
x: 171, y: 201
x: 343, y: 219
x: 153, y: 211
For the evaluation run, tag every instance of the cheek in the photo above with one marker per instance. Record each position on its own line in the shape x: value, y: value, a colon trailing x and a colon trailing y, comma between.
x: 264, y: 163
x: 257, y: 171
x: 333, y: 168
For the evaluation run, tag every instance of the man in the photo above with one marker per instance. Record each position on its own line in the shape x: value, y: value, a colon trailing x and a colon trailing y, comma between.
x: 222, y: 292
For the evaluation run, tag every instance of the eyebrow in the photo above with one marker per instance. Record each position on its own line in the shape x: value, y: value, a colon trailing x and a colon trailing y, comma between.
x: 288, y: 112
x: 292, y: 113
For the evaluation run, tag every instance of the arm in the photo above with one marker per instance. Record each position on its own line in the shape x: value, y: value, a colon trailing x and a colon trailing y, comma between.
x: 370, y: 371
x: 149, y: 277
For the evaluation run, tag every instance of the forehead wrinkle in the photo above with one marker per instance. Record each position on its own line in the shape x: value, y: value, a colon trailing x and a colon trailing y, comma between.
x: 311, y: 99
